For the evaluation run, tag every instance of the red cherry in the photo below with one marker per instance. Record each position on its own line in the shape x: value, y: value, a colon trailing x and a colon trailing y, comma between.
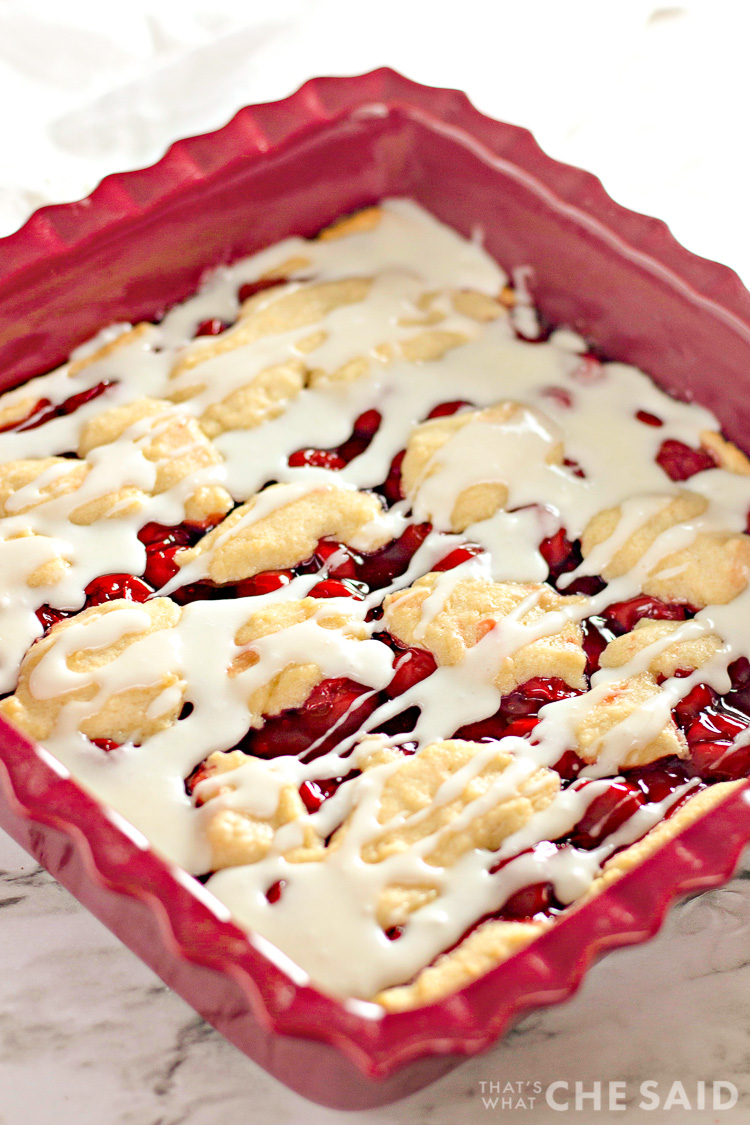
x: 574, y: 467
x: 334, y: 588
x: 680, y: 461
x: 106, y: 744
x: 392, y: 488
x: 714, y: 724
x: 529, y: 901
x: 606, y: 813
x: 380, y: 568
x: 368, y: 424
x: 447, y: 408
x: 263, y: 583
x: 569, y: 766
x: 559, y: 554
x: 317, y: 459
x: 314, y: 793
x: 596, y: 637
x: 739, y: 670
x: 70, y: 405
x: 698, y: 699
x: 522, y: 726
x: 657, y: 780
x: 250, y: 288
x: 393, y: 933
x: 273, y: 894
x: 45, y: 410
x: 364, y: 430
x: 717, y: 761
x: 410, y: 667
x: 458, y: 556
x: 530, y: 697
x: 158, y: 535
x: 212, y: 327
x: 648, y: 419
x: 162, y: 544
x: 346, y: 568
x: 111, y: 586
x: 622, y: 617
x: 335, y: 702
x: 161, y: 567
x: 47, y: 616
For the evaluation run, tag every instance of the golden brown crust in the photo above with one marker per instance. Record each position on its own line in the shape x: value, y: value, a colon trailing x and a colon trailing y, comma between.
x: 360, y: 222
x: 173, y: 441
x: 725, y: 453
x: 472, y: 609
x: 410, y: 812
x: 623, y: 699
x: 138, y: 332
x: 237, y: 836
x: 422, y: 459
x: 682, y: 655
x: 274, y: 312
x: 290, y: 687
x: 125, y: 715
x: 484, y: 949
x: 712, y: 570
x: 241, y: 547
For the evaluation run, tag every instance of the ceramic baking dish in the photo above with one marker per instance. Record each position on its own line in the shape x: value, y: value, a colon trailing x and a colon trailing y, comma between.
x: 141, y: 242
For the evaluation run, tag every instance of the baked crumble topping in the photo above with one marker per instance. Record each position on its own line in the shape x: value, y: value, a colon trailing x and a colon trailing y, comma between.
x: 403, y: 623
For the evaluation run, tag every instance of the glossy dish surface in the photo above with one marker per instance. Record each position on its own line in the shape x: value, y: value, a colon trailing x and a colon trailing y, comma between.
x: 622, y: 914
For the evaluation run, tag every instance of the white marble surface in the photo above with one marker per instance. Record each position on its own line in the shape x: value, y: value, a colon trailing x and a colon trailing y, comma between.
x: 650, y: 96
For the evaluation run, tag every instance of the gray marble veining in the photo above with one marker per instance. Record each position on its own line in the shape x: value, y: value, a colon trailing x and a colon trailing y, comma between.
x: 89, y: 1036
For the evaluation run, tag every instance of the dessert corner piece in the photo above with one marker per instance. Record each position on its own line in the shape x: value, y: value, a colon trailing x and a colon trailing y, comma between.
x: 401, y: 620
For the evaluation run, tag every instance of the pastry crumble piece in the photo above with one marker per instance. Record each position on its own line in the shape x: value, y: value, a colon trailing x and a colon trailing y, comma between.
x: 279, y: 529
x: 545, y: 642
x: 97, y: 672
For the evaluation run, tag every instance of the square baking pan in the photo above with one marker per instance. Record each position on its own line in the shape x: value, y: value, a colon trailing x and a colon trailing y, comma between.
x: 142, y: 241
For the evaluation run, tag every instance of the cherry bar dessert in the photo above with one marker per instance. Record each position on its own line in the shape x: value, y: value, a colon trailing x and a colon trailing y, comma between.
x: 400, y: 620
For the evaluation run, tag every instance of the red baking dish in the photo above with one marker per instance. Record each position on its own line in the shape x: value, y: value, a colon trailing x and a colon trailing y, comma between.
x: 142, y: 241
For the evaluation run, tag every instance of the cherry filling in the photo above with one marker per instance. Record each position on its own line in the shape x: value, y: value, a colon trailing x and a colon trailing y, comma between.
x: 391, y: 561
x: 560, y: 555
x: 648, y: 419
x: 333, y: 711
x: 45, y: 411
x: 445, y: 409
x: 273, y: 894
x: 212, y: 327
x: 365, y: 428
x: 458, y: 556
x: 680, y: 461
x: 250, y: 288
x: 162, y: 544
x: 111, y: 586
x: 410, y: 667
x: 314, y: 793
x: 106, y: 588
x: 606, y: 813
x: 518, y: 713
x: 622, y: 617
x: 536, y: 900
x: 710, y: 724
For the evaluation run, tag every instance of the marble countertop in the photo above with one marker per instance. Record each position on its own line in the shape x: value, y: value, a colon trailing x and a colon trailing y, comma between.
x: 651, y: 97
x: 89, y: 1036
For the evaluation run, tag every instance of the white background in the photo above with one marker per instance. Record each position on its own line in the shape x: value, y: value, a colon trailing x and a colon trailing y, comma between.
x: 654, y: 99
